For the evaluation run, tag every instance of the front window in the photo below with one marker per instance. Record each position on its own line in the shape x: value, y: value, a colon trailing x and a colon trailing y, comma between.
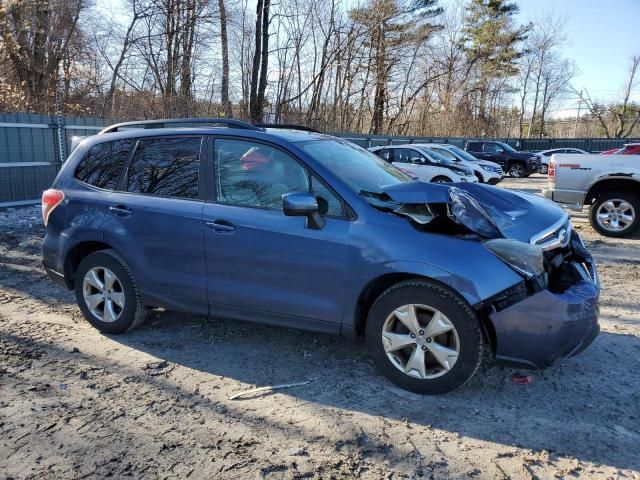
x: 363, y: 171
x: 257, y: 175
x: 406, y: 155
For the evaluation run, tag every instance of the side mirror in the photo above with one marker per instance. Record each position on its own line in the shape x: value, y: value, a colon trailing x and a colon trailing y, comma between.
x: 499, y: 150
x: 416, y: 161
x: 303, y: 204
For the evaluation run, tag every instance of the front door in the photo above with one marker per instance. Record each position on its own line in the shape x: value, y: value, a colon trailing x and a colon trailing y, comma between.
x: 496, y: 154
x: 261, y: 264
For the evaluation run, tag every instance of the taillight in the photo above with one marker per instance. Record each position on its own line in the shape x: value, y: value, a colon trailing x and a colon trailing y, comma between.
x: 552, y: 171
x: 50, y: 199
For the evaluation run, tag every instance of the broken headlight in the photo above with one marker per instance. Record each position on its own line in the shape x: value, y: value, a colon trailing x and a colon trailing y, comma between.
x: 523, y: 257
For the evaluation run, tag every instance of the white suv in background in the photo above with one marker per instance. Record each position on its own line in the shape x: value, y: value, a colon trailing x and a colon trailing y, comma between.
x: 425, y: 164
x: 484, y: 170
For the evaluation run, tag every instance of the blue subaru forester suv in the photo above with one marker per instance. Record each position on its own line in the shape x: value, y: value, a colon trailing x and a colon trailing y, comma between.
x: 305, y: 230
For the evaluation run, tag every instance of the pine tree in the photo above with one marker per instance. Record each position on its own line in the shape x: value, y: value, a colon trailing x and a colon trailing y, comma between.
x: 492, y: 39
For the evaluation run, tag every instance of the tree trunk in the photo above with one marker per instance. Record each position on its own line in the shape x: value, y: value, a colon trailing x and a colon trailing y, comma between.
x: 262, y: 84
x: 224, y: 86
x: 255, y: 111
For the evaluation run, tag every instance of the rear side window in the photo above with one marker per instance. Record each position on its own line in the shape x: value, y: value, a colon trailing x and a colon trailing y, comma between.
x: 474, y: 146
x: 103, y: 163
x: 385, y: 154
x: 167, y: 167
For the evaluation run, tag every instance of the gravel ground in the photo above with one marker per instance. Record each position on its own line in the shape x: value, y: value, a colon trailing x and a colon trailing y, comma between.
x: 155, y: 403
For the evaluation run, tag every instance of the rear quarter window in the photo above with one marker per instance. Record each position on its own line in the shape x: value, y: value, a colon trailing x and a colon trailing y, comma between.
x: 103, y: 163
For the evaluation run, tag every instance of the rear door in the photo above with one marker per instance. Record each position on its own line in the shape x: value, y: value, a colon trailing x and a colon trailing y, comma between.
x: 154, y: 220
x: 262, y: 265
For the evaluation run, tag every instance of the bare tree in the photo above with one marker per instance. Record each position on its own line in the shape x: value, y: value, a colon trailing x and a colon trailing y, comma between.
x: 224, y: 40
x: 36, y: 36
x: 619, y: 118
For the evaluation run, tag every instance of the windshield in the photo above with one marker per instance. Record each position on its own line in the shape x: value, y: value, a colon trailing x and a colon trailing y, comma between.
x: 363, y: 171
x: 462, y: 154
x: 508, y: 148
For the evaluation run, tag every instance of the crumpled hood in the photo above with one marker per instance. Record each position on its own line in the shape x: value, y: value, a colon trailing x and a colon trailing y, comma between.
x: 514, y: 214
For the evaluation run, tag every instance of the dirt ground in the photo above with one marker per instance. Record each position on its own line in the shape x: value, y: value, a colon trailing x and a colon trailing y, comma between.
x: 155, y: 403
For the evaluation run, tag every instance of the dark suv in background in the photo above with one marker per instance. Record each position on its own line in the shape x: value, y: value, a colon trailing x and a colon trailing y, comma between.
x: 516, y: 164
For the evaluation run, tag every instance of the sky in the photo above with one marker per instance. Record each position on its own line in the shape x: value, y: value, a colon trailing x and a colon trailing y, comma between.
x: 602, y: 35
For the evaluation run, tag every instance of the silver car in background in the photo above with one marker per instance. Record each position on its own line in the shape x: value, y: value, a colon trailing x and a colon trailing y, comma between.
x: 424, y: 164
x: 545, y: 156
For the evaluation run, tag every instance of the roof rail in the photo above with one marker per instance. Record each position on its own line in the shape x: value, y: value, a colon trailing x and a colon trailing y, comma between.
x: 145, y: 124
x: 288, y: 126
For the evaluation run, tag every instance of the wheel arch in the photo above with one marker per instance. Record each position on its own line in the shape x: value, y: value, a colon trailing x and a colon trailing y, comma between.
x: 629, y: 183
x: 376, y: 286
x: 76, y: 254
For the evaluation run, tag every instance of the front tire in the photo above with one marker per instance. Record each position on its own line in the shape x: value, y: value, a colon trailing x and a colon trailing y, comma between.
x: 479, y: 177
x: 517, y: 170
x: 424, y: 338
x: 107, y: 294
x: 615, y: 214
x: 544, y: 169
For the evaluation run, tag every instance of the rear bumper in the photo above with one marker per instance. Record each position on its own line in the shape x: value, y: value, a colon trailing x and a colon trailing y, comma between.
x: 570, y: 198
x: 545, y: 328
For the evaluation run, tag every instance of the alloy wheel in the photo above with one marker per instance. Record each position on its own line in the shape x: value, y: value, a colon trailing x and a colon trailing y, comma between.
x: 615, y: 215
x: 420, y: 341
x: 103, y: 294
x: 516, y: 170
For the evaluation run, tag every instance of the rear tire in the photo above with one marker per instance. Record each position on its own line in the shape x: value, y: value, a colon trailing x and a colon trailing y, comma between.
x: 441, y: 179
x: 624, y: 208
x: 437, y: 362
x: 107, y: 294
x: 544, y: 169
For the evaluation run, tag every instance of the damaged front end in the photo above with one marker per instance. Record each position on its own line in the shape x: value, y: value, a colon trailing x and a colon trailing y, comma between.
x: 553, y: 313
x: 550, y: 317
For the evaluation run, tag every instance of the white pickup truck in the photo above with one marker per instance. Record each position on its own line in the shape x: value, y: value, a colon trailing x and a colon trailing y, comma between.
x: 610, y: 184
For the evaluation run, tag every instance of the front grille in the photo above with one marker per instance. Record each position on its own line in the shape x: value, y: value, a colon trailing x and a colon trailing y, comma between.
x: 556, y: 236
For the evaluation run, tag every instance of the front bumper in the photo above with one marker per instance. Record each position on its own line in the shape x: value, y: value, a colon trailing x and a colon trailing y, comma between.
x: 494, y: 180
x: 545, y: 328
x: 533, y: 167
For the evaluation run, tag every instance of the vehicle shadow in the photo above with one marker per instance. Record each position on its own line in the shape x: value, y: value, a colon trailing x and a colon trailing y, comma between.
x: 578, y: 409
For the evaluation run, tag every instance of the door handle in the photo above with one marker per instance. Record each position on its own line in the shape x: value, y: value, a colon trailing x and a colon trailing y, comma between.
x: 120, y: 210
x: 221, y: 226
